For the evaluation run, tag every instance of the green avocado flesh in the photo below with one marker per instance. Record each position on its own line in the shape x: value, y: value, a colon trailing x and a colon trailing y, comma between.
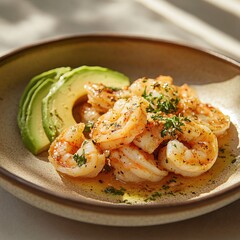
x: 58, y: 104
x: 30, y: 115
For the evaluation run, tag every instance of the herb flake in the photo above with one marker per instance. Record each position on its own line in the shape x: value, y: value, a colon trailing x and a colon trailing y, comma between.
x: 112, y: 190
x: 153, y: 197
x: 80, y: 159
x: 88, y: 127
x: 171, y: 125
x: 161, y: 103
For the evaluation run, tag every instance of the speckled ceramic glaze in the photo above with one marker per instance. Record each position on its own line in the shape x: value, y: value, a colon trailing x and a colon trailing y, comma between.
x: 34, y: 180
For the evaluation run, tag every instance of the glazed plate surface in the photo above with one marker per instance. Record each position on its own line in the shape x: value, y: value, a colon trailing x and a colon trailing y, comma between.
x: 33, y: 179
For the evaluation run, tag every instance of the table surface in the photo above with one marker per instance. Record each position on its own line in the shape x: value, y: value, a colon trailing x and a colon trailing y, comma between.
x: 216, y: 27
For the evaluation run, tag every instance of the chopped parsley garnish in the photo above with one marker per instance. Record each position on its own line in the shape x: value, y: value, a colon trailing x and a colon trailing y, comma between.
x: 114, y: 191
x: 171, y: 125
x: 153, y: 197
x: 88, y: 127
x: 80, y: 159
x: 160, y: 103
x: 169, y: 106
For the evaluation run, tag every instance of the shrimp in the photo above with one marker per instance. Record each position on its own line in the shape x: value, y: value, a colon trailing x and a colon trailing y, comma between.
x: 134, y: 165
x: 87, y: 113
x: 102, y: 98
x: 212, y: 117
x: 162, y: 84
x: 193, y: 153
x: 188, y: 98
x: 204, y: 113
x: 151, y: 137
x: 121, y: 168
x: 71, y: 154
x: 165, y: 79
x: 138, y: 86
x: 161, y: 95
x: 121, y: 124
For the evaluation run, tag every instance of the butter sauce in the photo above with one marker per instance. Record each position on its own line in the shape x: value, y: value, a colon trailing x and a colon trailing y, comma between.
x: 172, y: 188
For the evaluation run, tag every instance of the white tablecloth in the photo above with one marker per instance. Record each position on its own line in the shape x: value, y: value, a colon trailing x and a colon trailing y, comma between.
x: 27, y: 21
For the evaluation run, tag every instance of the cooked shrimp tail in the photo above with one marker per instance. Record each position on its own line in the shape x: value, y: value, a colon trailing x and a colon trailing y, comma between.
x: 102, y: 98
x: 71, y: 154
x: 193, y: 153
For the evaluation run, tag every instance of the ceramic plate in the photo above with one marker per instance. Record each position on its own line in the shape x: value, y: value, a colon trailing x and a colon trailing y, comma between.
x: 33, y: 179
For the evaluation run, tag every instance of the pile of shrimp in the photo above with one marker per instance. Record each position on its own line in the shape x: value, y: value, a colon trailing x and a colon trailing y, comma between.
x: 142, y: 132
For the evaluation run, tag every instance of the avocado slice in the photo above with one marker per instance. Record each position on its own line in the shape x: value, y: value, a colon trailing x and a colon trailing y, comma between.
x: 30, y: 114
x: 33, y: 134
x: 58, y: 104
x: 25, y: 104
x: 32, y: 86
